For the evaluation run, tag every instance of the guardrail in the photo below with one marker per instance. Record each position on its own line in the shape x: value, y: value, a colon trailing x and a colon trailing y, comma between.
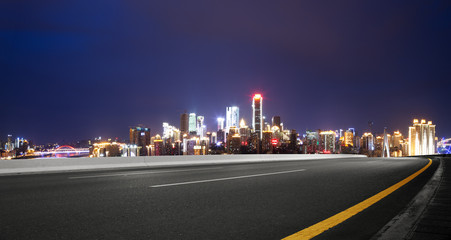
x: 70, y: 164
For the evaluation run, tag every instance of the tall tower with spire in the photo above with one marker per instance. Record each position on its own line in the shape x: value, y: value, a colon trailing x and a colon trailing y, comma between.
x: 257, y: 114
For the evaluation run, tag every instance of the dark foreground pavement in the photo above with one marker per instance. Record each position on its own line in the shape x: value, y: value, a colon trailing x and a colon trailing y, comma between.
x: 436, y: 220
x: 235, y: 201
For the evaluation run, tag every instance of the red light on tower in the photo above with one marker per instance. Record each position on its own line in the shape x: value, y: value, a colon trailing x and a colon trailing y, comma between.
x: 274, y: 141
x: 257, y: 96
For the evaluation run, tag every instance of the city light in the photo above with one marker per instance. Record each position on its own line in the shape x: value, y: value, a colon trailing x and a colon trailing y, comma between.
x: 236, y: 137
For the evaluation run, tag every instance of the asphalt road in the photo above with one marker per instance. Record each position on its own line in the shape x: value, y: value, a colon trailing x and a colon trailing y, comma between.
x: 233, y: 201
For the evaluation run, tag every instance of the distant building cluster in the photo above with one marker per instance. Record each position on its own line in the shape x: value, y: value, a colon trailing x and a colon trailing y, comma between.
x: 421, y: 141
x: 232, y: 135
x: 13, y: 147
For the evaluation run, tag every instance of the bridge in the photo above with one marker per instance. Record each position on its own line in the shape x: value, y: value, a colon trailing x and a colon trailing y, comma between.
x: 444, y: 146
x: 64, y: 151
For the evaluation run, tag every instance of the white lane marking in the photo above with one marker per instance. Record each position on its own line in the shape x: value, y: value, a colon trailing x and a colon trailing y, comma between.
x: 227, y: 178
x: 140, y: 173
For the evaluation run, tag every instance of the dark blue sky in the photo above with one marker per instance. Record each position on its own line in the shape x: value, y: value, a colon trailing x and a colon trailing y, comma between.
x: 79, y: 69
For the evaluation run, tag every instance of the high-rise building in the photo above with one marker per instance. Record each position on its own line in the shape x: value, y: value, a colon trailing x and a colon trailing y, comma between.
x: 192, y: 123
x: 257, y: 114
x: 276, y: 121
x: 184, y: 123
x: 19, y: 142
x: 368, y: 141
x: 397, y: 140
x: 213, y: 137
x: 200, y: 126
x: 232, y: 136
x: 348, y: 138
x: 232, y: 117
x: 245, y: 132
x: 9, y: 146
x: 421, y: 138
x: 159, y: 147
x: 220, y: 123
x: 220, y: 136
x: 327, y: 141
x: 233, y: 143
x: 357, y: 142
x: 266, y: 141
x: 170, y: 132
x: 140, y: 136
x: 311, y: 141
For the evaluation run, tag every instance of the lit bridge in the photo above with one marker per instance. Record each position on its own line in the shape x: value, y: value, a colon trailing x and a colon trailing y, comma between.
x: 64, y: 151
x: 444, y: 146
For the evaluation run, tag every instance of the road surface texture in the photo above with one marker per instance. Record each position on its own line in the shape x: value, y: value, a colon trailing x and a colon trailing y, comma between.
x: 233, y: 201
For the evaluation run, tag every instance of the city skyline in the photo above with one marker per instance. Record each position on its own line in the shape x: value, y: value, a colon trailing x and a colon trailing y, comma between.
x: 193, y: 124
x: 68, y: 78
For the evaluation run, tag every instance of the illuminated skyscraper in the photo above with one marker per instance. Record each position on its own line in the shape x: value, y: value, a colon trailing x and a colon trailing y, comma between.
x: 232, y: 117
x: 421, y: 138
x: 245, y: 132
x: 257, y: 114
x: 213, y: 137
x: 192, y: 123
x: 266, y: 141
x: 220, y: 123
x: 200, y: 126
x: 397, y: 140
x: 328, y: 141
x: 184, y: 122
x: 368, y: 141
x: 9, y: 146
x: 170, y: 132
x: 348, y: 138
x: 220, y: 136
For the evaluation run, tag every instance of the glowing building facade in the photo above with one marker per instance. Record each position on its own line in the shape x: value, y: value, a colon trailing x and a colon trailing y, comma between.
x: 201, y: 128
x: 328, y: 141
x: 192, y: 123
x: 348, y: 139
x: 257, y: 114
x: 220, y: 123
x: 171, y: 132
x: 421, y: 138
x: 368, y: 141
x: 232, y: 117
x: 397, y: 139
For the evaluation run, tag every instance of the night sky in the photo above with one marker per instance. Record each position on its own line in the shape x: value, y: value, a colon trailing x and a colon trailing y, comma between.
x: 79, y: 69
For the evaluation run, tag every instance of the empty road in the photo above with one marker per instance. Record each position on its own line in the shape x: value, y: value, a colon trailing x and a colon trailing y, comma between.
x: 233, y: 201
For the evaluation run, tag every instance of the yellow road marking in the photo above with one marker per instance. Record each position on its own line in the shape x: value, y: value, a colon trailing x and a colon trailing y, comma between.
x: 338, y: 218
